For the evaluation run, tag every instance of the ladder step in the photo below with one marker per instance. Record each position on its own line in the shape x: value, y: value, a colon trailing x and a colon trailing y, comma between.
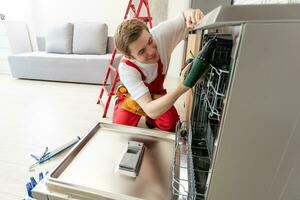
x: 104, y: 98
x: 107, y: 92
x: 112, y: 68
x: 145, y: 18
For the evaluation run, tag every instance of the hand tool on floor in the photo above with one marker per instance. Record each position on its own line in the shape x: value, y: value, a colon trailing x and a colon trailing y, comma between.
x: 30, y: 185
x: 48, y: 155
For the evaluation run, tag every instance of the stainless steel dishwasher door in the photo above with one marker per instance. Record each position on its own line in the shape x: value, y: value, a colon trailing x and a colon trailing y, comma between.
x: 90, y: 170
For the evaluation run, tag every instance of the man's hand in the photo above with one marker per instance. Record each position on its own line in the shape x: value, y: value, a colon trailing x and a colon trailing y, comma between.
x: 183, y: 72
x: 192, y: 17
x: 183, y: 75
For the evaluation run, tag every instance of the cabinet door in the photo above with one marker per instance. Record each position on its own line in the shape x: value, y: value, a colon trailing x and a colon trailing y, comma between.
x: 192, y: 49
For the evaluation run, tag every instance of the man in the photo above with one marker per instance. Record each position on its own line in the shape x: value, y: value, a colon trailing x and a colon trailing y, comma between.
x: 143, y: 68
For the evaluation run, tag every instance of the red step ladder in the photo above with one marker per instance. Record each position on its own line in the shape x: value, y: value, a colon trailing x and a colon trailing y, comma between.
x: 105, y: 93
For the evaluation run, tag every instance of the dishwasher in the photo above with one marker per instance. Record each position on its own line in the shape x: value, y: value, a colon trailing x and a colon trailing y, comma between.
x: 242, y: 140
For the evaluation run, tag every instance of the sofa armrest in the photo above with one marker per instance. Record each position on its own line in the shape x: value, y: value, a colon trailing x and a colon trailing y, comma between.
x: 110, y: 45
x: 41, y: 43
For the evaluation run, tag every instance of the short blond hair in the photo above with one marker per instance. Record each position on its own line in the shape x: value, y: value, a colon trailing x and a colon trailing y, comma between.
x: 127, y: 32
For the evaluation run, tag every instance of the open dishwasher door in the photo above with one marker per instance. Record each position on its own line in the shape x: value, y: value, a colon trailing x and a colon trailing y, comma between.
x: 92, y: 169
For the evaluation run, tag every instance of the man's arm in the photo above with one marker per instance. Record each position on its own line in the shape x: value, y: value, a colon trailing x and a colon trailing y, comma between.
x: 169, y: 33
x: 155, y: 108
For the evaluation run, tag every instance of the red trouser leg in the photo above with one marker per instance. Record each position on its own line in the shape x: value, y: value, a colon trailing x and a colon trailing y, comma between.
x: 168, y: 120
x: 124, y: 117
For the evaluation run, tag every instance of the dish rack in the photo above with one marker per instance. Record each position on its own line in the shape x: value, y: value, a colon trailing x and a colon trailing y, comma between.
x: 194, y: 152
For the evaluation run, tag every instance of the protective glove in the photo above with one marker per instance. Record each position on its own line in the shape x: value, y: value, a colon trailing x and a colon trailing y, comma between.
x: 200, y: 64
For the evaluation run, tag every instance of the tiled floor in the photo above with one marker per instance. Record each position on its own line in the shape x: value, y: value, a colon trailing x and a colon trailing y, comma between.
x: 36, y: 114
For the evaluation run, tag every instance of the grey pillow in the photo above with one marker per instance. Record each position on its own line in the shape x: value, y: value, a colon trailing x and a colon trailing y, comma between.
x: 90, y: 38
x: 59, y: 39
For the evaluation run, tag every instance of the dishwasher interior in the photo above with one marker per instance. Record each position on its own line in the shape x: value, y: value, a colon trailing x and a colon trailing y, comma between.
x: 197, y: 149
x: 242, y: 140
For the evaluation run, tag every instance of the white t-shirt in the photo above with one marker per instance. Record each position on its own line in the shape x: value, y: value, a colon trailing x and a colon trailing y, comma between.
x: 166, y: 35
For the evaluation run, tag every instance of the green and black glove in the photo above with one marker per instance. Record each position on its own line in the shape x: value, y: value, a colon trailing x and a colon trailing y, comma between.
x: 200, y: 64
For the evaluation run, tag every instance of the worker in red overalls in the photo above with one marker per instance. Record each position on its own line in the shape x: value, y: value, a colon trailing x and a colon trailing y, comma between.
x: 143, y: 68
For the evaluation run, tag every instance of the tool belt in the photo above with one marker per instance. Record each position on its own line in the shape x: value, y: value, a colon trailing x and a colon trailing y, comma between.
x: 129, y: 104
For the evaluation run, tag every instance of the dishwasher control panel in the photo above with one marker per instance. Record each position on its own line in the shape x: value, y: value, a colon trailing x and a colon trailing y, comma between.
x: 132, y: 159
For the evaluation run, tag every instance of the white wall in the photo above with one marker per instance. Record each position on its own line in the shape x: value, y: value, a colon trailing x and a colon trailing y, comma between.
x: 18, y: 11
x: 177, y: 56
x: 51, y: 12
x: 15, y: 10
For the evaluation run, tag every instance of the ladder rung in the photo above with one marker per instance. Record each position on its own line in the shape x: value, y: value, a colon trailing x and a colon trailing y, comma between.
x: 105, y: 95
x: 104, y: 98
x: 112, y: 68
x: 106, y: 91
x: 145, y: 18
x: 104, y: 88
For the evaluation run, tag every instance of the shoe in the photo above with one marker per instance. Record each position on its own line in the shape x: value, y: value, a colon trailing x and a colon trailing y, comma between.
x: 150, y: 123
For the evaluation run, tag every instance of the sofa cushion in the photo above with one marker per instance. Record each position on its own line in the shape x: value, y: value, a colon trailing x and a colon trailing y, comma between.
x: 90, y: 38
x: 59, y: 39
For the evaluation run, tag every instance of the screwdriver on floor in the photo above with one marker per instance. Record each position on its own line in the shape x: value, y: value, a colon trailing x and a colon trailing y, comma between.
x: 48, y: 155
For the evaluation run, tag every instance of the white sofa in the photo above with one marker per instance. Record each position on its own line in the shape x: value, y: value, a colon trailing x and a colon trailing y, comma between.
x: 65, y: 65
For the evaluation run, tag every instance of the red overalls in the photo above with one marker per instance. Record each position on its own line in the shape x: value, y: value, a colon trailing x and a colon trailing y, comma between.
x: 165, y: 122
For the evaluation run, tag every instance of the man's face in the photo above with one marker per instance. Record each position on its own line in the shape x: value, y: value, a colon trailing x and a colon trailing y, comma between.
x: 144, y: 49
